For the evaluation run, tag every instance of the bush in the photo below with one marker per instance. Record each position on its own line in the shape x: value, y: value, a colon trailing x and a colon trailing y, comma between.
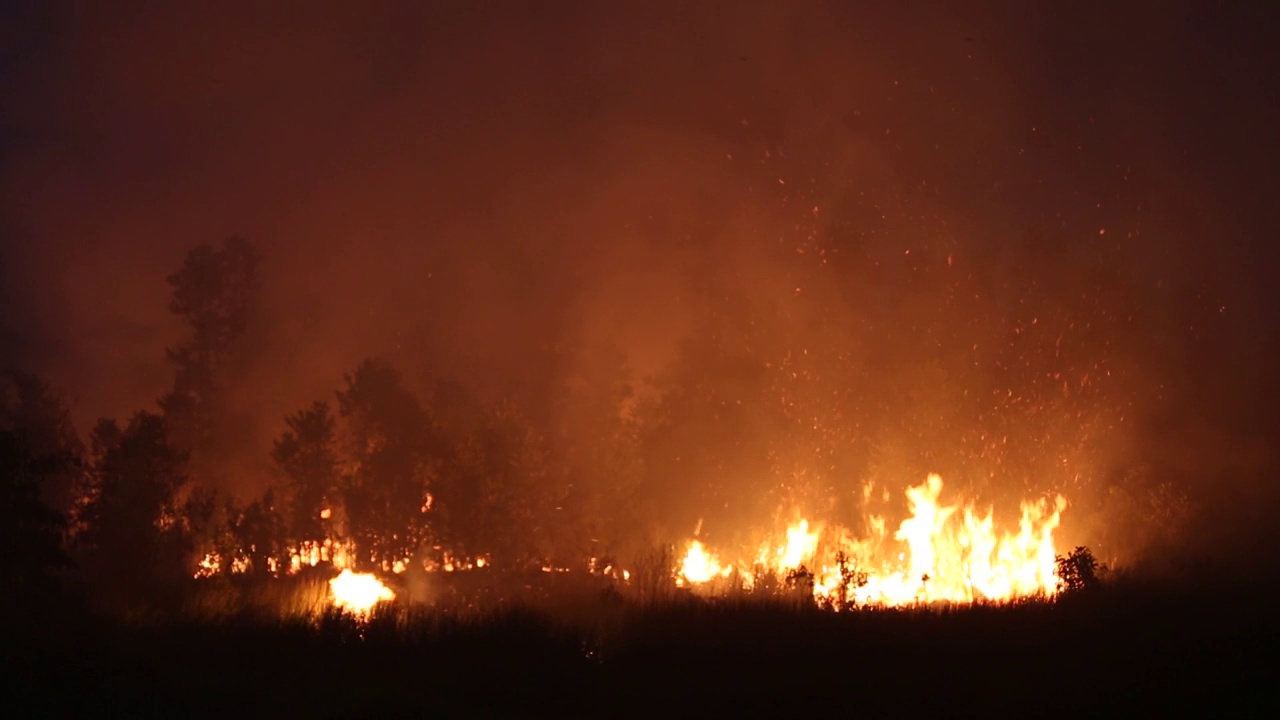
x: 1079, y: 570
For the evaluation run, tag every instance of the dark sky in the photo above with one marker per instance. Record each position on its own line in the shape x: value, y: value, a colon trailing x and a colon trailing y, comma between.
x: 459, y: 184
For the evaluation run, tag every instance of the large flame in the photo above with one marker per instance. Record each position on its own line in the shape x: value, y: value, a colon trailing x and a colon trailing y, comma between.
x: 939, y: 553
x: 357, y: 593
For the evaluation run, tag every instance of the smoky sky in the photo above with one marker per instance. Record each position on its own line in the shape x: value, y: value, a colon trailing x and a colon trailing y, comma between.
x: 461, y: 186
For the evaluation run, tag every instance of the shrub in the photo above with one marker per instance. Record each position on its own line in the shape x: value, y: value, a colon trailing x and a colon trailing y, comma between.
x: 1079, y: 570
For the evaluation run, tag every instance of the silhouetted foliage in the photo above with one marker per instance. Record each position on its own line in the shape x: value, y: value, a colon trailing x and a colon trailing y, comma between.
x: 1079, y: 570
x: 215, y: 293
x: 257, y: 530
x: 851, y: 578
x: 134, y: 535
x: 498, y: 491
x: 30, y: 530
x: 800, y: 582
x: 307, y: 455
x: 651, y: 579
x: 388, y: 436
x: 41, y: 467
x: 42, y: 424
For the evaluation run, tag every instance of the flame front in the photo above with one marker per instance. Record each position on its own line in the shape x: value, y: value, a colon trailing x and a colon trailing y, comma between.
x: 357, y: 593
x: 938, y: 554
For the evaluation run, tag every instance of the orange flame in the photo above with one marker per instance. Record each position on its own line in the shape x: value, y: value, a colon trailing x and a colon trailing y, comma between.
x: 938, y: 554
x: 357, y: 593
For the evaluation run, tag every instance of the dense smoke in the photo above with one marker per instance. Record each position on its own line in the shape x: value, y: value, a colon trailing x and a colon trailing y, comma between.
x: 1026, y: 249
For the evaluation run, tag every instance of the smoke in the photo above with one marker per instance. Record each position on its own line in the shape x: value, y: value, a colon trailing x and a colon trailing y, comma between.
x: 485, y: 192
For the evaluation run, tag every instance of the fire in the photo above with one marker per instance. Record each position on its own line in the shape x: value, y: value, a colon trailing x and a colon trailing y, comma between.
x: 209, y: 565
x: 699, y: 566
x: 801, y: 545
x: 312, y: 553
x: 940, y: 553
x: 357, y: 593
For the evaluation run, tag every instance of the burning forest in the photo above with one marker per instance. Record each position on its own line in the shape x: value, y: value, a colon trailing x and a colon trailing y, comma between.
x: 610, y: 354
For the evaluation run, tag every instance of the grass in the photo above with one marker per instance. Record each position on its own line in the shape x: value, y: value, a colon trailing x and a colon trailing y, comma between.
x: 251, y: 651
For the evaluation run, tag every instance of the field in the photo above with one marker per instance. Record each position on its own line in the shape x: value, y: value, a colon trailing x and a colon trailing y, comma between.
x: 1123, y: 648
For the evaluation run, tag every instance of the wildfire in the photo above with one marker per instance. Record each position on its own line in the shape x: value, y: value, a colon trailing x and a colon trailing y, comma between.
x: 699, y: 566
x: 357, y: 593
x: 938, y: 554
x: 312, y: 553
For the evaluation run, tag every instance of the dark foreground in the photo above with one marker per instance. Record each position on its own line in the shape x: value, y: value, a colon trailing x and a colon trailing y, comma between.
x: 1114, y: 650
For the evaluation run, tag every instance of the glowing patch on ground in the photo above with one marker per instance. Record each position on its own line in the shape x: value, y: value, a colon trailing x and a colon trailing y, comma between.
x: 357, y: 593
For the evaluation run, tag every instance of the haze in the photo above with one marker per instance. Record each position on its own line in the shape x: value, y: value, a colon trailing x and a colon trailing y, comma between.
x: 1048, y: 208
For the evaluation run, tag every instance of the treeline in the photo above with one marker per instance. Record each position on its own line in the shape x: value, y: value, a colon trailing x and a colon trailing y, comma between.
x: 769, y: 407
x: 377, y: 472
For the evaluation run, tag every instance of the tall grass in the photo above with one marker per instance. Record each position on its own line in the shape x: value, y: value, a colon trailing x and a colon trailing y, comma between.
x: 572, y: 649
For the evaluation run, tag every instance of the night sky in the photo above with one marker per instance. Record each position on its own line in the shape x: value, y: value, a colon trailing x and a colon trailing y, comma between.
x: 477, y: 190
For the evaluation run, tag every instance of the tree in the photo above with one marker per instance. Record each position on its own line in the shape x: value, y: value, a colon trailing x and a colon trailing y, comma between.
x: 1079, y: 570
x: 28, y: 527
x: 134, y: 537
x: 215, y: 293
x: 256, y: 530
x: 41, y: 464
x: 385, y: 488
x: 306, y: 455
x: 501, y: 494
x: 43, y: 428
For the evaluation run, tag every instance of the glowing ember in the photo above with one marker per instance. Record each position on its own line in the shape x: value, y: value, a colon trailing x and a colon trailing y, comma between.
x: 209, y: 565
x: 357, y: 593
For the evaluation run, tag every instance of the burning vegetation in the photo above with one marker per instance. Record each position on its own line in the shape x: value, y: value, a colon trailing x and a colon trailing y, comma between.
x: 935, y: 555
x: 396, y: 481
x: 623, y: 339
x: 357, y: 593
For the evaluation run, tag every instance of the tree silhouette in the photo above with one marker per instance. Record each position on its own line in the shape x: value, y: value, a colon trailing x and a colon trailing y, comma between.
x: 43, y: 428
x: 29, y: 527
x: 499, y: 490
x: 41, y: 465
x: 306, y: 455
x: 1079, y: 570
x: 385, y: 488
x: 215, y: 293
x: 134, y: 536
x: 256, y: 530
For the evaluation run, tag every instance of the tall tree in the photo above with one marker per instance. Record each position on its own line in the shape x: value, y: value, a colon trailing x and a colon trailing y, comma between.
x: 215, y: 293
x: 43, y: 428
x: 386, y: 485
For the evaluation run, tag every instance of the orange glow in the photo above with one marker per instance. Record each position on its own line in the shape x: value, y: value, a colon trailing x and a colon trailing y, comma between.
x: 939, y: 553
x: 699, y: 566
x: 357, y: 593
